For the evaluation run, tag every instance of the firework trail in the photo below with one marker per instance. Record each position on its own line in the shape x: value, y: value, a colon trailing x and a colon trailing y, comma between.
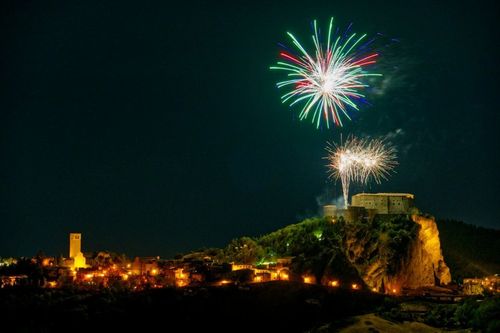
x: 329, y: 82
x: 360, y: 160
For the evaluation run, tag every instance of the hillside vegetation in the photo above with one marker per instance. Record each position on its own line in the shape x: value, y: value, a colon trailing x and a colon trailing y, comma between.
x: 331, y: 250
x: 348, y: 250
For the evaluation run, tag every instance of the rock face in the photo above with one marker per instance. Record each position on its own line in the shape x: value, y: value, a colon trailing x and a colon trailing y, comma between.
x: 386, y: 253
x: 418, y: 262
x: 429, y: 238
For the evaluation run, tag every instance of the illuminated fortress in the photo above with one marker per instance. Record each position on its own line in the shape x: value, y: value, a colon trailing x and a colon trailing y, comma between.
x: 367, y: 205
x: 385, y: 203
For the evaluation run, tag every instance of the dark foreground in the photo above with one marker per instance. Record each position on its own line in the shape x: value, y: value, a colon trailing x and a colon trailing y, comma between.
x: 276, y: 307
x: 264, y: 307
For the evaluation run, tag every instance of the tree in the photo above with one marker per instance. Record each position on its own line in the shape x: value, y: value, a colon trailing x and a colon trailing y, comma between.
x: 244, y: 250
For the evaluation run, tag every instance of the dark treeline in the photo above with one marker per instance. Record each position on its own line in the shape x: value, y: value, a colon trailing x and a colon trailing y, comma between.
x: 469, y: 251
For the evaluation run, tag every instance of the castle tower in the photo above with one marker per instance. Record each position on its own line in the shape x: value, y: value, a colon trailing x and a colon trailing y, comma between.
x: 329, y: 211
x: 75, y: 244
x: 75, y: 250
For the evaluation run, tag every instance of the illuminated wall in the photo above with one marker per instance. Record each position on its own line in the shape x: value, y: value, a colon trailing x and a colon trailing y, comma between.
x: 385, y: 203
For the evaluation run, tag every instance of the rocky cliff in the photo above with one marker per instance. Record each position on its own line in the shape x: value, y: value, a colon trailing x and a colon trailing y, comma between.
x: 405, y: 257
x: 387, y: 254
x: 430, y: 246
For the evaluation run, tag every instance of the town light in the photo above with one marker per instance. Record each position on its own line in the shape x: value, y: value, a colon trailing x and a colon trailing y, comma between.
x: 334, y: 283
x: 355, y: 286
x: 222, y: 282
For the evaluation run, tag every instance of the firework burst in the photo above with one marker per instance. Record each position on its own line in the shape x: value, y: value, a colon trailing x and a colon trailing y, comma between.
x: 328, y: 83
x: 360, y: 160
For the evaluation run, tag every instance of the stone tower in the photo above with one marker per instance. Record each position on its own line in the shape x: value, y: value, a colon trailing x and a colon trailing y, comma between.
x: 75, y: 244
x: 75, y: 253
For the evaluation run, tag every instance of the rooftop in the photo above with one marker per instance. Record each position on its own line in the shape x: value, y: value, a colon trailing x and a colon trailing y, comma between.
x: 407, y: 195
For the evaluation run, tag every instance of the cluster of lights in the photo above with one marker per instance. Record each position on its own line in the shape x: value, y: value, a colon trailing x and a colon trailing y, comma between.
x: 182, y: 279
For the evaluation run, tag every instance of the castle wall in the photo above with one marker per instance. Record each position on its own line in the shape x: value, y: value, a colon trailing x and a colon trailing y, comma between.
x: 384, y: 203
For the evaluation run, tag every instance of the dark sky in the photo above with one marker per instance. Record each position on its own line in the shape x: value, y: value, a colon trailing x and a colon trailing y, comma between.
x: 156, y: 128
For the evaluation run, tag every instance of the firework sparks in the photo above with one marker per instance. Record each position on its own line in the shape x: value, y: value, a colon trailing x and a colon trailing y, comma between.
x: 329, y: 83
x: 360, y: 160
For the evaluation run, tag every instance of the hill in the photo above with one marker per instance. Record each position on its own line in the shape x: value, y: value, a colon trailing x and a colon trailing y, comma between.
x: 361, y: 251
x: 390, y: 252
x: 469, y: 250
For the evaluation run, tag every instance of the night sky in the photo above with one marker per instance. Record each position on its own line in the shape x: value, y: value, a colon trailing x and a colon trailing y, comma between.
x: 157, y: 128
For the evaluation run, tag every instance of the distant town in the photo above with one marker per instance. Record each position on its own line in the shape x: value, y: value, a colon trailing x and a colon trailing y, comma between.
x: 103, y: 269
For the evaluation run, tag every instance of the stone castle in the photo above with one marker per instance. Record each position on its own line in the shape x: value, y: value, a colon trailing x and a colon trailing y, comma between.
x: 367, y: 205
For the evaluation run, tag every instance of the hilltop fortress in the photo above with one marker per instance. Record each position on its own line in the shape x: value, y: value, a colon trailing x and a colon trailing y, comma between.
x: 367, y: 205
